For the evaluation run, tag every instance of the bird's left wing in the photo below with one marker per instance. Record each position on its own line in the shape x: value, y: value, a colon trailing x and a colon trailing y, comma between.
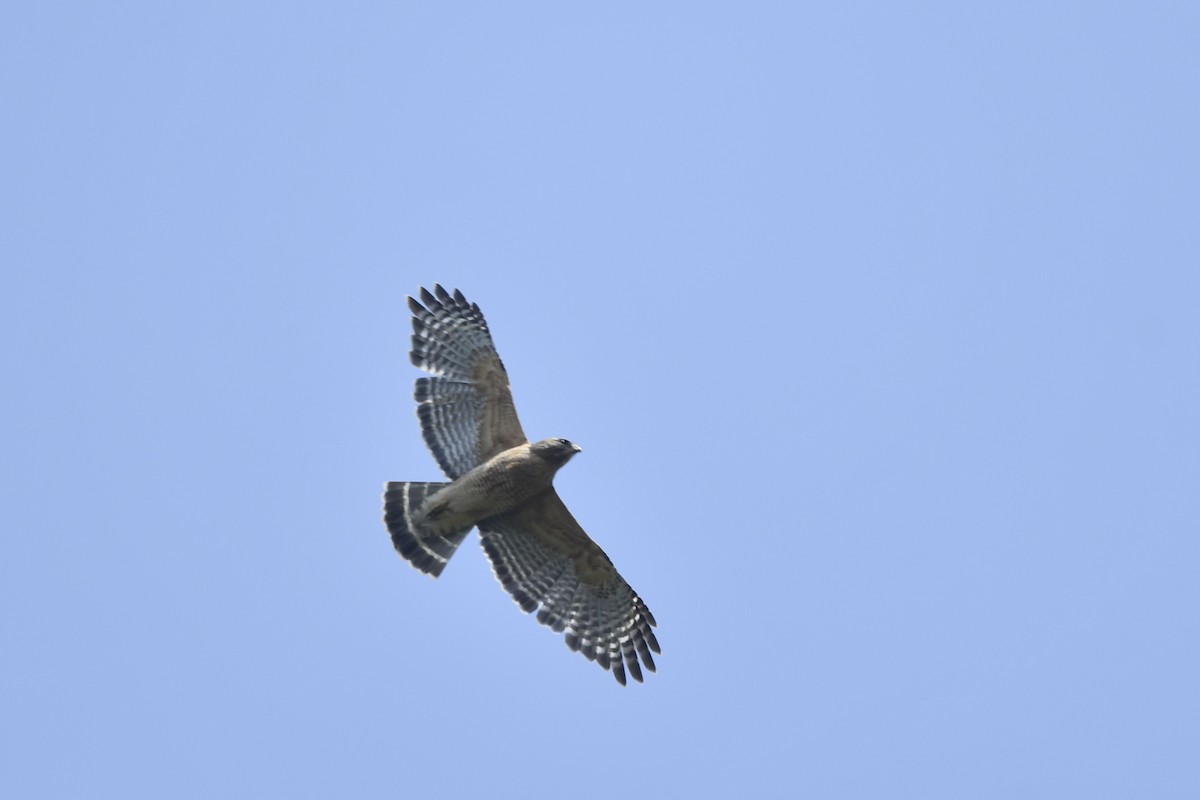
x: 546, y: 561
x: 466, y: 410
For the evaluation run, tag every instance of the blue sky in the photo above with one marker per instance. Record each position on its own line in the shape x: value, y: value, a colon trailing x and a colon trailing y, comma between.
x: 878, y: 325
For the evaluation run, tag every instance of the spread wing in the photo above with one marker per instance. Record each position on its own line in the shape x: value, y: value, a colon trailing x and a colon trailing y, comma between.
x: 466, y: 409
x: 546, y: 561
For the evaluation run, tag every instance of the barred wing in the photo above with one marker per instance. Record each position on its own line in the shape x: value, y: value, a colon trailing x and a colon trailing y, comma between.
x: 466, y: 410
x: 546, y: 561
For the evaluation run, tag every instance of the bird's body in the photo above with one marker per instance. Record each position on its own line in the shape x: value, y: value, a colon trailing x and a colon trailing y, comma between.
x: 500, y: 484
x: 503, y: 484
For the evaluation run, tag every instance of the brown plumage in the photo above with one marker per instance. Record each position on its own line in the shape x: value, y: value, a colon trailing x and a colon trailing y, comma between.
x: 502, y: 484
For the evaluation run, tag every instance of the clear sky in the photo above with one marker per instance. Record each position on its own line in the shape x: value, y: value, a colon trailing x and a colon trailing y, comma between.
x: 878, y: 324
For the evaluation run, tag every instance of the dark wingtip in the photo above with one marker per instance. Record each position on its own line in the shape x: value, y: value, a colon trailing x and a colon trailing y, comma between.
x: 647, y: 659
x: 645, y: 612
x: 618, y: 672
x: 634, y: 668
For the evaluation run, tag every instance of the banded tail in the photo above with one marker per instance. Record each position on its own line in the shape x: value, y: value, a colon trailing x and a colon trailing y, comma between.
x: 427, y: 551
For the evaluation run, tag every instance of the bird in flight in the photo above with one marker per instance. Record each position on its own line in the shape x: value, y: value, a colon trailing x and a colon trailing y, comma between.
x: 502, y: 484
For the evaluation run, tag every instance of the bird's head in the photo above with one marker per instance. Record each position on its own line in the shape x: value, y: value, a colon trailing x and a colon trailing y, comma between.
x: 556, y: 451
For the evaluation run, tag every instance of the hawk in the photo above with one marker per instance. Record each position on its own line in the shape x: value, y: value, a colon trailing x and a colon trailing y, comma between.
x: 502, y: 484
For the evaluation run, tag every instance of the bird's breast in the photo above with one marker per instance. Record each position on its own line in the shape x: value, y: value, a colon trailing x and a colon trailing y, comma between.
x: 494, y: 487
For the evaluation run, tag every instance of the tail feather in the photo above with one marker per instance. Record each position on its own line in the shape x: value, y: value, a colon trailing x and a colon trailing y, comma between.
x: 427, y: 551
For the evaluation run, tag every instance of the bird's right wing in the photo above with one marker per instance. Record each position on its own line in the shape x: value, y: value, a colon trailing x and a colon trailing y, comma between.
x: 466, y: 410
x: 546, y: 561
